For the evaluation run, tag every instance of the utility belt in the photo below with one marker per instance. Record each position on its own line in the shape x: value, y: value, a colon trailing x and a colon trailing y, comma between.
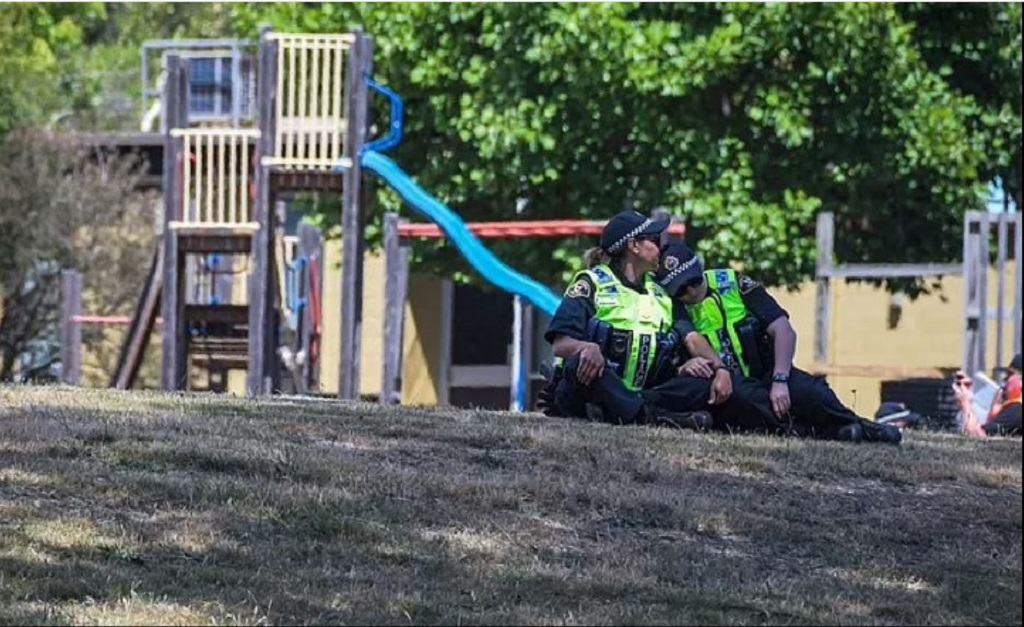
x: 617, y: 348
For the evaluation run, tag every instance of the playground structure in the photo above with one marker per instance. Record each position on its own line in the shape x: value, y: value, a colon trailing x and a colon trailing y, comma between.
x: 219, y: 186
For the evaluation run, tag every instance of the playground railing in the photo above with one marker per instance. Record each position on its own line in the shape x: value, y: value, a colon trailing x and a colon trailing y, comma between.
x: 310, y: 120
x: 216, y: 178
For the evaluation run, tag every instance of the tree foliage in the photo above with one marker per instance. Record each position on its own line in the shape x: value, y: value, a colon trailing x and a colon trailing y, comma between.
x: 62, y: 208
x: 76, y: 65
x: 744, y: 119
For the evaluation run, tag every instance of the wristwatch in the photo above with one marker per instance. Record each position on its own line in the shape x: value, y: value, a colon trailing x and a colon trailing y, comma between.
x: 722, y: 367
x: 779, y: 377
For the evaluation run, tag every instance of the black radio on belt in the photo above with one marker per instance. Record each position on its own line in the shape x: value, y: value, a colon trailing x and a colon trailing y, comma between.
x: 615, y: 344
x: 755, y: 350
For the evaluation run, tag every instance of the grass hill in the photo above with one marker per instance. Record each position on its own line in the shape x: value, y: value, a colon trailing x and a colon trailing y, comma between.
x: 145, y: 508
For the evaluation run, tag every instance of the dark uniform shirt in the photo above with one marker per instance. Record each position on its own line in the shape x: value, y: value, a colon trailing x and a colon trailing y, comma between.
x: 1006, y: 422
x: 577, y: 307
x: 758, y: 301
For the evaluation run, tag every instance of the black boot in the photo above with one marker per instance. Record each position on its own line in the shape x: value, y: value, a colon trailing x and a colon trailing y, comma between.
x: 849, y: 432
x: 879, y: 432
x: 546, y: 397
x: 697, y: 420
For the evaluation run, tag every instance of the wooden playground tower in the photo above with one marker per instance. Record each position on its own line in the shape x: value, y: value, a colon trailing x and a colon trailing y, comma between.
x: 220, y: 185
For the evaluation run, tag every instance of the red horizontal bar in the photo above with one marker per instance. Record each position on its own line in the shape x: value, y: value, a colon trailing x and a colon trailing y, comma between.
x: 113, y: 320
x: 536, y: 228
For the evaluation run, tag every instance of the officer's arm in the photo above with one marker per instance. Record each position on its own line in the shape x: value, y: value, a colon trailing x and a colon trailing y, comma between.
x: 775, y: 321
x: 699, y: 346
x: 784, y: 339
x: 695, y: 343
x: 565, y: 346
x: 567, y: 331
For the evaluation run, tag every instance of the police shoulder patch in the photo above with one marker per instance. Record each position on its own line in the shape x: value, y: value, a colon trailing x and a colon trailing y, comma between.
x: 579, y: 289
x: 747, y: 284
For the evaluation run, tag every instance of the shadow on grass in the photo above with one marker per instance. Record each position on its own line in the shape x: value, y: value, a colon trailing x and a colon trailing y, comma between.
x: 477, y: 524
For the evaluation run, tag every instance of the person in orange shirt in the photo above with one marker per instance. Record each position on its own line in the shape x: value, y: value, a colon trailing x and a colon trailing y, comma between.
x: 1005, y: 416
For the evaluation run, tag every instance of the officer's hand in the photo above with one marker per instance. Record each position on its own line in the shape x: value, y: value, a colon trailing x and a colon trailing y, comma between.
x: 697, y: 367
x: 591, y: 364
x: 721, y: 387
x: 780, y: 399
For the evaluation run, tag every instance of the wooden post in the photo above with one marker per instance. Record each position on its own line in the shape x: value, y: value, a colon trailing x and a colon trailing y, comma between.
x: 71, y: 328
x: 137, y: 338
x: 984, y: 232
x: 968, y: 274
x: 175, y: 113
x: 444, y: 370
x: 360, y: 64
x: 395, y: 289
x: 1001, y: 234
x: 823, y: 287
x: 974, y: 309
x: 261, y: 345
x: 310, y: 248
x: 1017, y: 281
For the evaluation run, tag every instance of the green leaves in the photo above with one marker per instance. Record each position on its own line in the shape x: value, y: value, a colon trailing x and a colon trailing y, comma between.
x: 745, y: 119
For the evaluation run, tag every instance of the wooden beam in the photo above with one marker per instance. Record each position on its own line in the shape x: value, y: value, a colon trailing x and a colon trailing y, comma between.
x: 395, y: 288
x: 174, y: 366
x: 71, y: 328
x: 981, y: 252
x: 1017, y: 281
x: 444, y: 366
x: 360, y: 64
x: 310, y: 248
x: 891, y: 270
x: 823, y: 287
x: 261, y: 346
x: 1001, y: 234
x: 135, y: 342
x: 882, y: 372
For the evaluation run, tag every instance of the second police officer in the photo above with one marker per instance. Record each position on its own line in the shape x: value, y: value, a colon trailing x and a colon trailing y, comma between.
x: 750, y: 333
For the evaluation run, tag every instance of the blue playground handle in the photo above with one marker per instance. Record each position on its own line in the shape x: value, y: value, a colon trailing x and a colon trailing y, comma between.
x: 485, y: 262
x: 394, y: 137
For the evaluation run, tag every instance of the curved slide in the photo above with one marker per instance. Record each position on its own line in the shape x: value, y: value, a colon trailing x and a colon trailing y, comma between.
x: 485, y: 262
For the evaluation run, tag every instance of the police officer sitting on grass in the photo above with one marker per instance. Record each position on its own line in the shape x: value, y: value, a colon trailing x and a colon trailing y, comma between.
x: 750, y: 334
x: 612, y: 333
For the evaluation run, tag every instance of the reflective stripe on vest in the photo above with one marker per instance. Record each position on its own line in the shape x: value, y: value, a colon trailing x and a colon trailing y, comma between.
x: 642, y: 315
x: 716, y: 317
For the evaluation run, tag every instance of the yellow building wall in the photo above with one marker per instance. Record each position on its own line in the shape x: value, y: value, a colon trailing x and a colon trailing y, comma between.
x: 421, y: 337
x: 928, y: 335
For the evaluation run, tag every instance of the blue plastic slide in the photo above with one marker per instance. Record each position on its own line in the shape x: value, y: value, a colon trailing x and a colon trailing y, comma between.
x: 485, y: 262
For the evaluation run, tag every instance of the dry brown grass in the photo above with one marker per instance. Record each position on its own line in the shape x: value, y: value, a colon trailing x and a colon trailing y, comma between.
x: 167, y: 509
